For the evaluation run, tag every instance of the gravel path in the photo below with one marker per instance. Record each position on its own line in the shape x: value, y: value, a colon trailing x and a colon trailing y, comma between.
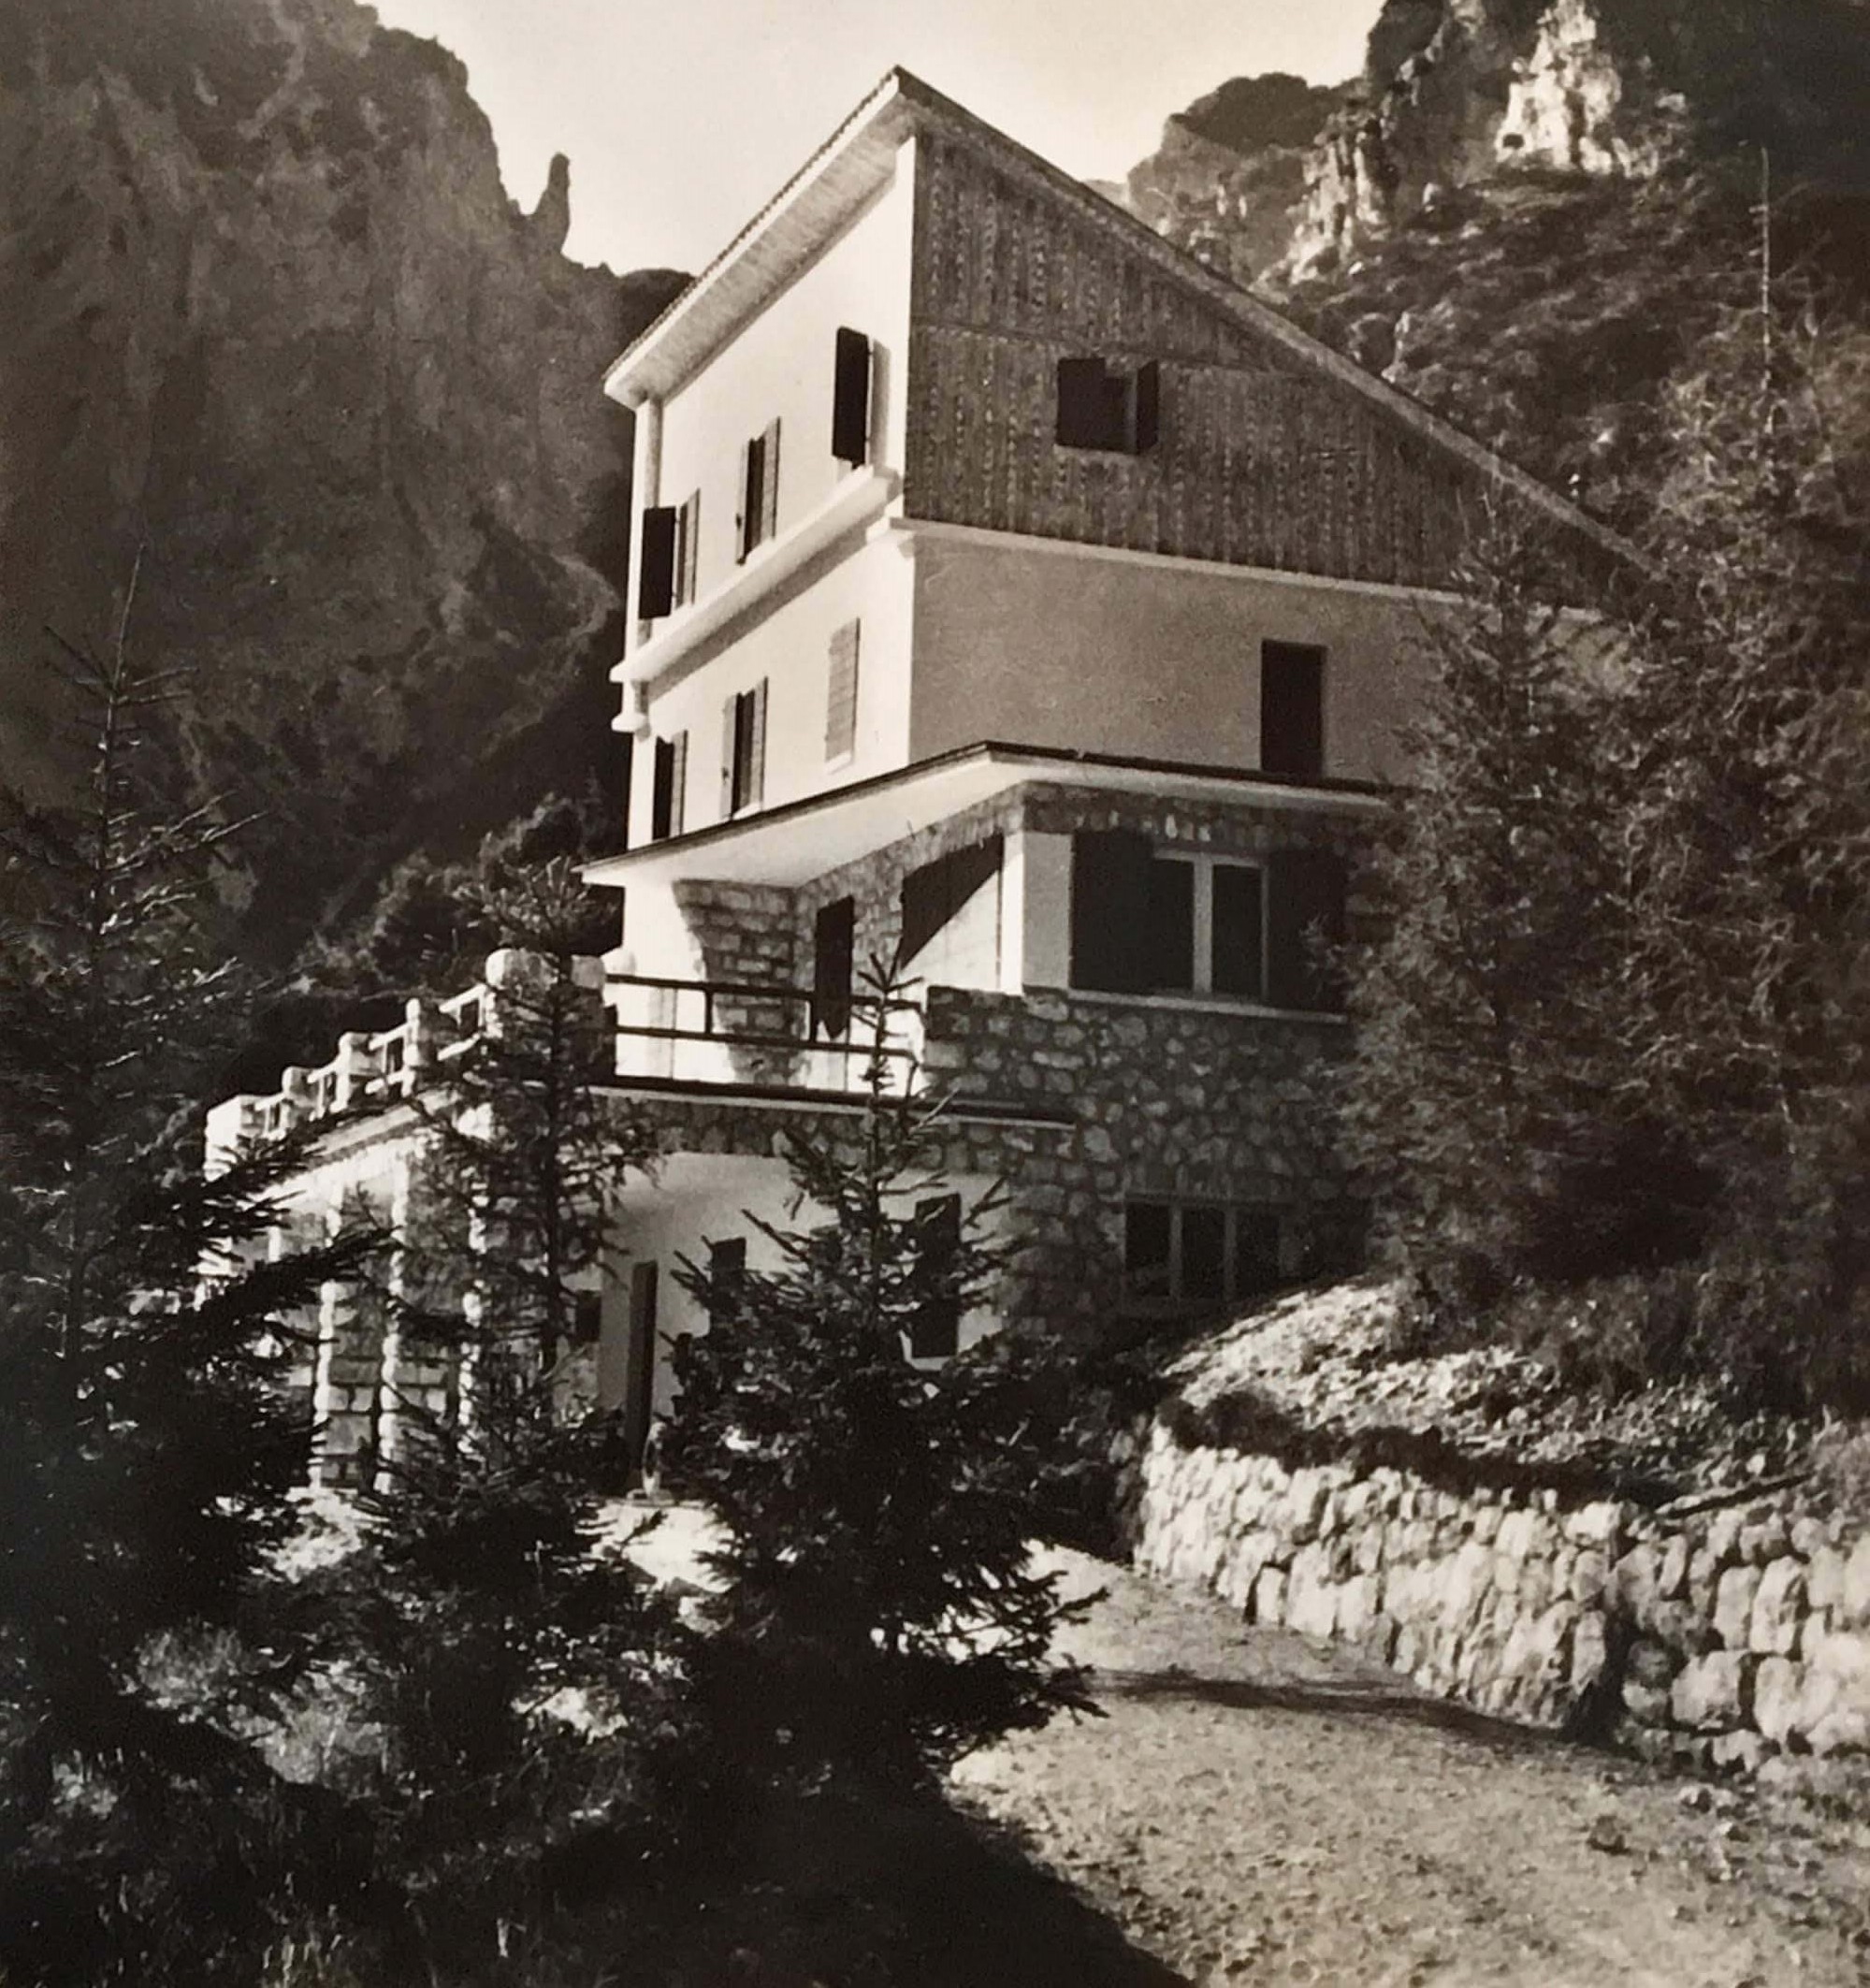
x: 1256, y: 1810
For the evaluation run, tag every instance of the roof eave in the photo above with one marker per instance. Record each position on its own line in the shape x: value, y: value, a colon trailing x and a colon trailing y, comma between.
x: 657, y: 360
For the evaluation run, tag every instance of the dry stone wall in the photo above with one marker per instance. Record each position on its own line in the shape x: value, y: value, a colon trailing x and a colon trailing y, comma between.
x: 1717, y: 1636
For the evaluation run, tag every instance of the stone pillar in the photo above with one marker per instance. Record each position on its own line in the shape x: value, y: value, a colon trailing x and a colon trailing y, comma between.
x: 234, y: 1124
x: 356, y: 1067
x: 420, y: 1383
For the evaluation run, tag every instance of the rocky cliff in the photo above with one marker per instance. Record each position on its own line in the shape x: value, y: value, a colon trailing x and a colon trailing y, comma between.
x: 1231, y: 170
x: 1525, y: 212
x: 1459, y: 92
x: 270, y: 317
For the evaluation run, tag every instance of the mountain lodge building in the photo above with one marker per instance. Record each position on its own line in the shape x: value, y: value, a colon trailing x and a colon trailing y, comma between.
x: 1017, y: 603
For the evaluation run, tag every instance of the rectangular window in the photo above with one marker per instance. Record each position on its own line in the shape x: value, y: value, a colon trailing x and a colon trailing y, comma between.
x: 1305, y: 924
x: 1237, y: 931
x: 935, y: 1331
x: 1292, y: 711
x: 1204, y: 1254
x: 727, y: 1277
x: 758, y: 488
x: 1144, y: 922
x: 1099, y: 408
x: 1169, y: 934
x: 586, y: 1317
x: 841, y: 695
x: 670, y: 784
x: 833, y: 952
x: 1256, y: 1252
x: 743, y: 764
x: 1194, y: 1255
x: 688, y: 549
x: 1149, y: 1251
x: 1203, y: 929
x: 851, y: 398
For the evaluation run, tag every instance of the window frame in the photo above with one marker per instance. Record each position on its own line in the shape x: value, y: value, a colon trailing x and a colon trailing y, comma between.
x: 668, y: 786
x: 744, y: 751
x: 759, y: 519
x: 1204, y: 862
x: 1176, y: 1297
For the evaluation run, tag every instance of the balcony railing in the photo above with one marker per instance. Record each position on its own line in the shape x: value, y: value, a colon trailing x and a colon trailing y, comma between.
x: 689, y: 1031
x: 761, y: 1032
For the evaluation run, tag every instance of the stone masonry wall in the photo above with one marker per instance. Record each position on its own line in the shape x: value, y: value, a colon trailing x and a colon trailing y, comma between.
x: 1207, y: 1102
x: 747, y: 934
x: 1192, y: 1102
x: 1716, y: 1636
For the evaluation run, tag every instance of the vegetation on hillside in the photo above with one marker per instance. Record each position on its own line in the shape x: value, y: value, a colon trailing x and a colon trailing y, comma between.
x: 272, y: 314
x: 1608, y: 1081
x: 147, y: 1446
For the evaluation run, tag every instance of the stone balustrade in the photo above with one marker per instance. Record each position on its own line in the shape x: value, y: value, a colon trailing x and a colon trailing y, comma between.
x: 381, y: 1066
x: 1717, y: 1636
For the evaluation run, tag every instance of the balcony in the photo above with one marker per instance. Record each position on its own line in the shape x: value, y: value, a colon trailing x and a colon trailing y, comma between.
x: 668, y: 1033
x: 737, y: 1033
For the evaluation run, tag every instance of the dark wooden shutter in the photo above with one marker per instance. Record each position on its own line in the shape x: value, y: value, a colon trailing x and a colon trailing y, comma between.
x: 935, y: 893
x: 747, y: 531
x: 1147, y: 396
x: 628, y: 740
x: 841, y: 693
x: 656, y: 578
x: 1110, y: 904
x: 851, y: 398
x: 834, y: 954
x: 730, y: 754
x: 678, y: 785
x: 935, y: 1331
x: 769, y: 481
x: 1081, y: 398
x: 1292, y: 710
x: 1305, y: 919
x: 687, y: 550
x: 662, y: 793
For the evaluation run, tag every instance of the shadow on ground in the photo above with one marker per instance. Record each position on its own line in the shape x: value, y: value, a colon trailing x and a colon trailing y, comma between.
x: 1353, y: 1697
x: 913, y: 1894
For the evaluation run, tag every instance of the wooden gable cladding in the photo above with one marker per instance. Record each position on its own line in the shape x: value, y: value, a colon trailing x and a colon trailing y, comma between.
x: 1262, y: 460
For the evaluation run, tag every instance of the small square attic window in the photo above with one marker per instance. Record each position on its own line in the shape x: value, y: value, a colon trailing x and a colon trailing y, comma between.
x: 1099, y: 408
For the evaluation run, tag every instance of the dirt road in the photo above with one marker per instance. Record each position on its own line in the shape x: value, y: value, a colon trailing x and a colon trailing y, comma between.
x: 1255, y: 1810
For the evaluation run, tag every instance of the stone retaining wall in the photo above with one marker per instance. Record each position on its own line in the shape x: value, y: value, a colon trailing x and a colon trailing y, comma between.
x: 1716, y: 1636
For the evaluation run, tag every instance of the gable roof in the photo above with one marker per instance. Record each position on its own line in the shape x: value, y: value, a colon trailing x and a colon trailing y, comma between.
x: 837, y: 179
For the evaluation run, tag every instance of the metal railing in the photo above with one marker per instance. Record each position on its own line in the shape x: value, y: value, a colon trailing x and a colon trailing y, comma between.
x: 747, y: 1031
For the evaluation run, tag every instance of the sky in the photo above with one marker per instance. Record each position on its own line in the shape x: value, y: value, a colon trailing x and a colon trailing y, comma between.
x: 682, y: 118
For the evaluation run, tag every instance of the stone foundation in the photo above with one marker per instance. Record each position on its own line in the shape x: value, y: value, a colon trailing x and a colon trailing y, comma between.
x: 1717, y: 1636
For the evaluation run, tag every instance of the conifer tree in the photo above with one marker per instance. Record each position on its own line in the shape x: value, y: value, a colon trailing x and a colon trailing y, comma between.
x: 1747, y: 992
x: 1475, y: 1105
x: 880, y: 1615
x: 530, y: 1687
x: 147, y: 1448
